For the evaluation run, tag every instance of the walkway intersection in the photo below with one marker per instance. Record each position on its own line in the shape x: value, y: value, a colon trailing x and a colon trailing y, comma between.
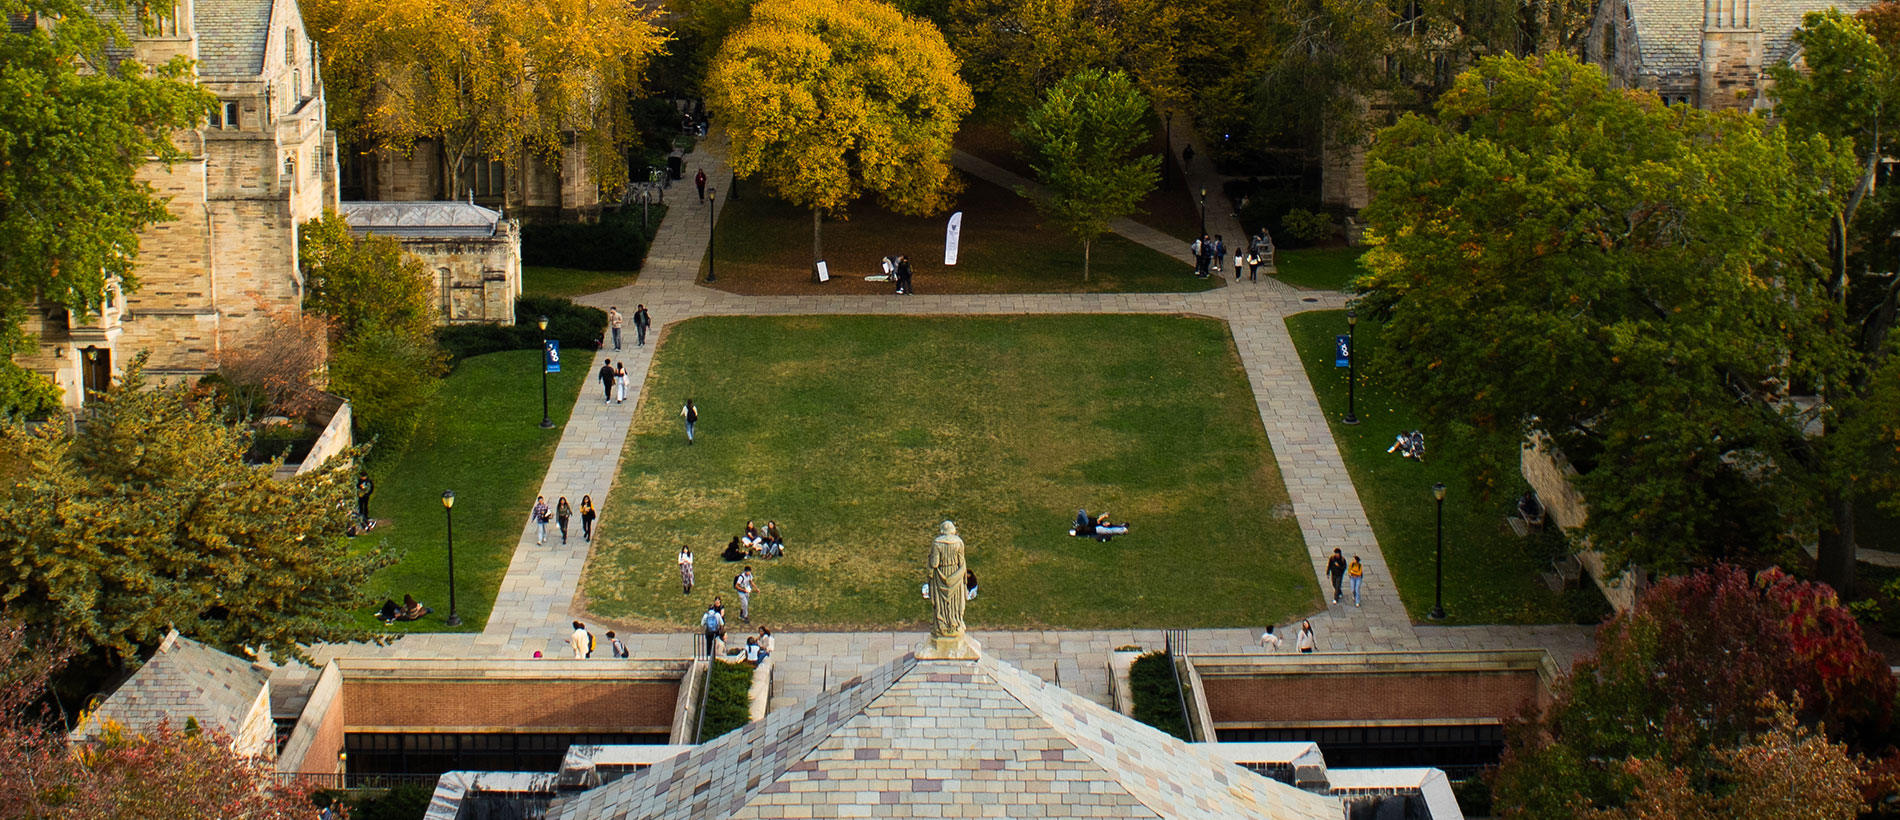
x: 537, y: 599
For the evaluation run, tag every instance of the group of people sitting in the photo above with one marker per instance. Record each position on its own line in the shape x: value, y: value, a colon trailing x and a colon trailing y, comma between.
x: 1097, y: 528
x: 410, y: 610
x: 755, y: 544
x: 1410, y: 445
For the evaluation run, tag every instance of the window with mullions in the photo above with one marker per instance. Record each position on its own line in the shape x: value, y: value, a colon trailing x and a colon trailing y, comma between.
x: 486, y: 177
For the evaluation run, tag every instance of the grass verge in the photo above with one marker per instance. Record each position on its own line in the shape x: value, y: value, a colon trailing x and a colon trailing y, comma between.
x: 860, y: 434
x: 567, y: 283
x: 1319, y: 268
x: 482, y: 438
x: 764, y: 247
x: 1491, y: 575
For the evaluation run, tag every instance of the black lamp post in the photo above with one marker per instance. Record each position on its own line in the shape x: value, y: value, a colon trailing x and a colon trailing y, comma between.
x: 1203, y: 211
x: 1438, y: 593
x: 712, y: 235
x: 1167, y: 150
x: 1352, y: 366
x: 448, y: 514
x: 546, y: 423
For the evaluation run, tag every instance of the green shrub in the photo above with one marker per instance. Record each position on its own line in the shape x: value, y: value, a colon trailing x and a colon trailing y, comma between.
x: 26, y: 394
x: 1307, y: 226
x: 389, y: 377
x: 728, y: 699
x: 1473, y: 795
x: 409, y: 801
x: 609, y: 245
x: 578, y: 327
x: 1157, y: 698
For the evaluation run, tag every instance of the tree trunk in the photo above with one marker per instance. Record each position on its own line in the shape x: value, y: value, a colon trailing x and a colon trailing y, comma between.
x: 1085, y: 259
x: 817, y: 237
x: 1834, y: 561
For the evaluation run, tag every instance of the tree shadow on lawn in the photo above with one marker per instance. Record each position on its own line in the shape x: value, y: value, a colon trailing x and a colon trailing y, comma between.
x: 764, y: 247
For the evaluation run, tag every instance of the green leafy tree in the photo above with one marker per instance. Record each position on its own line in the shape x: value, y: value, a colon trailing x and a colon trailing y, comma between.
x: 1083, y: 142
x: 363, y: 283
x: 389, y: 377
x: 1851, y: 82
x: 829, y: 100
x: 1557, y: 255
x: 1679, y: 689
x: 71, y: 146
x: 23, y: 393
x: 148, y: 517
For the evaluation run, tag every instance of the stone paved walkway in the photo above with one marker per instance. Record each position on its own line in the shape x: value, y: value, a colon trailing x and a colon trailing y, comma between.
x: 538, y: 596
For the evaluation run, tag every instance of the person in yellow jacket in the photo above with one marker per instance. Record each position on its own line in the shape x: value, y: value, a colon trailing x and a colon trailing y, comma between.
x: 1357, y: 572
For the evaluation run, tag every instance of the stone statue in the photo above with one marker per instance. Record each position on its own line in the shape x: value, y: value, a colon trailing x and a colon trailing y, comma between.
x: 947, y: 591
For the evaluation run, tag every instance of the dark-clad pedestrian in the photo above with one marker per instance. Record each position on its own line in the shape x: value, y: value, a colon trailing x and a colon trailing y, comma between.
x: 1336, y: 569
x: 699, y: 181
x: 587, y: 518
x: 691, y: 414
x: 563, y: 511
x: 641, y: 321
x: 607, y: 382
x: 364, y: 489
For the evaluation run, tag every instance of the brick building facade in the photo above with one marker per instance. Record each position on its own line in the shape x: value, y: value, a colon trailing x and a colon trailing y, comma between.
x: 261, y: 165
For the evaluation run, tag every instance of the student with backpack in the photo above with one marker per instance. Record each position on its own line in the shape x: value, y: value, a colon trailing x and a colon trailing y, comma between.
x: 614, y: 645
x: 742, y: 583
x: 691, y: 414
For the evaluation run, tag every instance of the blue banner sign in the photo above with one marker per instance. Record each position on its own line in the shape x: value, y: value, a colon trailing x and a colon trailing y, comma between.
x: 553, y: 355
x: 1343, y: 356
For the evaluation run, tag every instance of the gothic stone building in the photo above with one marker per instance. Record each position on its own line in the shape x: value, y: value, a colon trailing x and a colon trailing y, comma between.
x: 1711, y: 54
x: 533, y: 188
x: 262, y: 164
x: 473, y: 253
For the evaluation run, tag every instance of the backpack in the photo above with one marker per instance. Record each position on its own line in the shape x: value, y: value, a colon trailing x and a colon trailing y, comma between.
x: 736, y: 585
x: 590, y: 644
x: 620, y: 649
x: 692, y: 414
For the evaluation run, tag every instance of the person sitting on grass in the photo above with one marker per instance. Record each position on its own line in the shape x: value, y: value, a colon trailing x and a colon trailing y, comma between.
x: 750, y: 540
x: 1084, y: 525
x: 1105, y: 530
x: 388, y: 611
x: 969, y: 584
x: 735, y: 551
x: 412, y: 609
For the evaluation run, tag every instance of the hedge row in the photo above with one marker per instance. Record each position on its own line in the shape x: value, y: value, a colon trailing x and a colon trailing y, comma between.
x: 612, y: 244
x: 728, y: 699
x: 578, y: 327
x: 1157, y: 698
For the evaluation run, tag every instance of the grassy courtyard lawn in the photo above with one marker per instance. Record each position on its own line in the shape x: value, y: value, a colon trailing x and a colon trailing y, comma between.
x: 568, y: 283
x: 1491, y: 576
x: 764, y: 247
x: 1172, y: 211
x: 1319, y: 268
x: 482, y: 438
x: 860, y: 434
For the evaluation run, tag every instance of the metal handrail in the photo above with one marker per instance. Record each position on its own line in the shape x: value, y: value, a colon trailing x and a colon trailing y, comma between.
x: 705, y: 690
x: 1172, y: 637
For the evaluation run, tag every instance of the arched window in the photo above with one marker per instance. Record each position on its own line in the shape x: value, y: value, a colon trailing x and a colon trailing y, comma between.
x: 290, y: 45
x: 290, y: 167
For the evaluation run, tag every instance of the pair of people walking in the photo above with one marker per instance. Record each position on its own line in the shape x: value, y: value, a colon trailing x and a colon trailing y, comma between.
x: 1304, y: 641
x: 561, y: 514
x: 641, y: 321
x: 1339, y: 571
x: 613, y: 382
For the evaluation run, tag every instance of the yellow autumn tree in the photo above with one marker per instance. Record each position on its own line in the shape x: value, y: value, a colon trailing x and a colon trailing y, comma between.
x: 828, y: 100
x: 494, y: 79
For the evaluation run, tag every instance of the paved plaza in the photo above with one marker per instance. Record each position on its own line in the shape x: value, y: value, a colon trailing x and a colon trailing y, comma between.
x: 537, y: 599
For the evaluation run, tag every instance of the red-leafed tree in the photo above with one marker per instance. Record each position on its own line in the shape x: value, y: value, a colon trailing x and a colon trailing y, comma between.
x: 169, y: 773
x: 1689, y: 675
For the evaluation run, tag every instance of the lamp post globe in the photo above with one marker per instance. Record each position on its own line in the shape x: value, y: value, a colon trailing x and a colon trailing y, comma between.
x: 448, y: 513
x: 1438, y: 585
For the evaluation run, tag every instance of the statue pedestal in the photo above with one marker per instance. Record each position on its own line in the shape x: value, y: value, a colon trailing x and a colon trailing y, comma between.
x: 961, y: 647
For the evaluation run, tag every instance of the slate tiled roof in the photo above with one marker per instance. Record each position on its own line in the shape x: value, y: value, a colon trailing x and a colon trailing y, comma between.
x: 184, y: 679
x: 1669, y: 32
x: 232, y: 36
x: 420, y: 218
x: 915, y: 736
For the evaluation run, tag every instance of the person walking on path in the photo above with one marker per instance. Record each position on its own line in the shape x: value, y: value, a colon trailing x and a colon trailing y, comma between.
x: 620, y: 382
x: 1357, y: 572
x: 607, y: 381
x: 364, y: 489
x: 614, y: 645
x: 563, y: 511
x: 582, y: 641
x: 686, y: 570
x: 1271, y: 641
x: 613, y: 321
x: 587, y: 518
x: 743, y: 584
x: 1306, y: 638
x: 1220, y: 252
x: 714, y: 624
x: 699, y: 181
x: 641, y: 321
x: 1336, y: 569
x: 691, y: 414
x: 540, y: 516
x: 1202, y: 249
x: 1187, y: 157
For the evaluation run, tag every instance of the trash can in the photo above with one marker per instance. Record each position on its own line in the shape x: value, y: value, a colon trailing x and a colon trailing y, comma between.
x: 676, y: 166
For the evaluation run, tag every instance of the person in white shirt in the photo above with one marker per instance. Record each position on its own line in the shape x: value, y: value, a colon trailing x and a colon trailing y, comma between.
x: 1306, y: 637
x: 581, y: 640
x: 1271, y: 641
